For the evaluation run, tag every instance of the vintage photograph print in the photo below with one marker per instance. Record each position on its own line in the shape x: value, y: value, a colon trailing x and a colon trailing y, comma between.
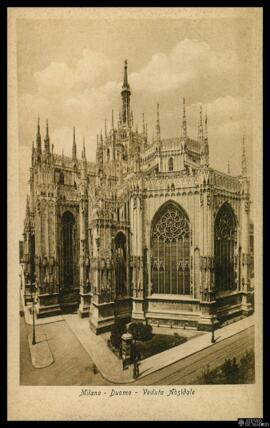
x: 135, y: 212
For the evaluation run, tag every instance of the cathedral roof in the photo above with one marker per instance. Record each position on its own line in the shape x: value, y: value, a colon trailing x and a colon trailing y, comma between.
x: 192, y: 145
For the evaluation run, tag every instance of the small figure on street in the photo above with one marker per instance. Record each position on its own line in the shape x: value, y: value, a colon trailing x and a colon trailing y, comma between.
x: 136, y: 370
x: 213, y: 332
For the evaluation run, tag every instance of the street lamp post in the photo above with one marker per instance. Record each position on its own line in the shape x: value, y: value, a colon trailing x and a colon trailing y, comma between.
x: 33, y: 289
x: 213, y: 331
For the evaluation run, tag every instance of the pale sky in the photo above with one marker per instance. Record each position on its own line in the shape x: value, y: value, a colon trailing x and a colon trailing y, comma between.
x: 70, y: 72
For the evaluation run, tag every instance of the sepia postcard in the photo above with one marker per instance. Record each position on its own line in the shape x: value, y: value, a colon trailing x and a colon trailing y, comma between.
x: 135, y: 214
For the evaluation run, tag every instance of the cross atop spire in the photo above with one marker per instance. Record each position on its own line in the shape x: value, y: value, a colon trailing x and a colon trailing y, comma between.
x: 244, y: 160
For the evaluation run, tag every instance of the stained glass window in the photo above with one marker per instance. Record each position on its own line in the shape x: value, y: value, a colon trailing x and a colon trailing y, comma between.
x: 170, y: 251
x: 225, y: 238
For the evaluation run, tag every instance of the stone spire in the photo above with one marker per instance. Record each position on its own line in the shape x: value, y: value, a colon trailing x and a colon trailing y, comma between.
x: 47, y: 139
x: 244, y: 160
x: 125, y: 93
x: 38, y: 140
x: 184, y: 120
x: 206, y: 128
x: 158, y: 125
x: 143, y: 125
x: 27, y: 212
x: 201, y: 127
x: 74, y: 147
x: 229, y: 169
x: 112, y: 121
x: 33, y: 152
x: 203, y: 138
x: 63, y: 158
x: 99, y: 152
x: 83, y: 150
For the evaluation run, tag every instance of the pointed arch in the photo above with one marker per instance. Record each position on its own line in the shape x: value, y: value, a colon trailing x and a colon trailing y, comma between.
x: 170, y: 164
x: 170, y: 250
x: 225, y: 241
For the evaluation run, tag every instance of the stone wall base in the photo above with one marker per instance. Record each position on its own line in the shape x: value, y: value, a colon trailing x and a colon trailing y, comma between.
x: 48, y: 305
x: 84, y: 306
x: 102, y: 316
x: 138, y: 310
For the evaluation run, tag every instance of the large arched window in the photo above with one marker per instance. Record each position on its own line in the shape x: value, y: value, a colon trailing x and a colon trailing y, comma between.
x: 120, y: 268
x: 170, y: 164
x: 225, y: 238
x: 170, y: 251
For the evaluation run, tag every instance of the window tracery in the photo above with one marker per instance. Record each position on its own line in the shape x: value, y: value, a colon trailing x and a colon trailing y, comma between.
x: 170, y: 243
x: 225, y: 239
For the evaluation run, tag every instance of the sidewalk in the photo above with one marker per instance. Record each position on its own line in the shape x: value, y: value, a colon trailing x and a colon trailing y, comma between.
x: 111, y: 367
x: 108, y: 364
x: 41, y: 355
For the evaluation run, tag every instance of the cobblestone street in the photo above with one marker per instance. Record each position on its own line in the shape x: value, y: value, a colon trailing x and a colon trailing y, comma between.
x: 72, y: 365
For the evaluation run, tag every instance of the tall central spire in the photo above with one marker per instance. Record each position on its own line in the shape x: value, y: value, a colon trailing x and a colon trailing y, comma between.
x: 125, y: 93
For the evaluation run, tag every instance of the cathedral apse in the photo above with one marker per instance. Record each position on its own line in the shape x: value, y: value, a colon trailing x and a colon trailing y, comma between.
x: 150, y: 231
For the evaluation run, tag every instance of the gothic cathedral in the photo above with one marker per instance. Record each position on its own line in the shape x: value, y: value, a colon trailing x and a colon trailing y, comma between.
x: 148, y: 232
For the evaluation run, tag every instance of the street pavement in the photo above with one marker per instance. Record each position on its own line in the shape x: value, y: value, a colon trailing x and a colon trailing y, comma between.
x: 75, y: 348
x: 72, y: 365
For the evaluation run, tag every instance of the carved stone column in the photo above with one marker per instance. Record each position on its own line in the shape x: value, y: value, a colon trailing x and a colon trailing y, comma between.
x: 208, y: 319
x: 138, y: 264
x: 84, y: 306
x: 247, y: 293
